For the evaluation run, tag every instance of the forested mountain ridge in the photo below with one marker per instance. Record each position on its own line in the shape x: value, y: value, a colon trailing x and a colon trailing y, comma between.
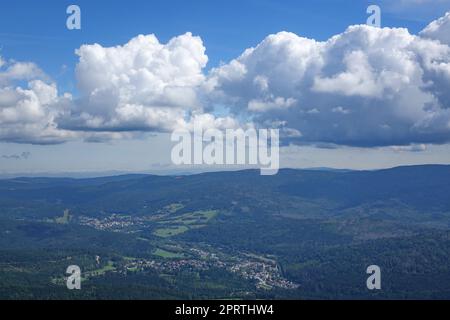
x: 210, y: 235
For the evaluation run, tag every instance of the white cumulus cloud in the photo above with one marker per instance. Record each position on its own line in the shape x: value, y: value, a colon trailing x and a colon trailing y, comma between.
x: 143, y: 85
x: 28, y: 113
x: 438, y: 29
x: 365, y: 87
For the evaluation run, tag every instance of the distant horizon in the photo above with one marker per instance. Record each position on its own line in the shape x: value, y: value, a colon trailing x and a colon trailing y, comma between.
x: 180, y: 172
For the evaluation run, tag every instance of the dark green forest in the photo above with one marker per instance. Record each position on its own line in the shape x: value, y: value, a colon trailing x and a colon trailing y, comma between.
x: 302, y: 234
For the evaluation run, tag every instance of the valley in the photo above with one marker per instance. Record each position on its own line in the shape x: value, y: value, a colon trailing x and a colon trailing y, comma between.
x: 300, y: 234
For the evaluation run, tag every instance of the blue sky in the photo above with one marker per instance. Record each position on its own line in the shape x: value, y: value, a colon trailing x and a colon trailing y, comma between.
x: 35, y: 31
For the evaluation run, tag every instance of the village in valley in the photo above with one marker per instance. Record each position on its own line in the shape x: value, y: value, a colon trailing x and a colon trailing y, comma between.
x: 172, y: 256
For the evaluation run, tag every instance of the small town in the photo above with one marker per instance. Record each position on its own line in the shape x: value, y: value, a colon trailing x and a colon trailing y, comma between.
x: 266, y: 275
x: 113, y: 223
x: 264, y: 272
